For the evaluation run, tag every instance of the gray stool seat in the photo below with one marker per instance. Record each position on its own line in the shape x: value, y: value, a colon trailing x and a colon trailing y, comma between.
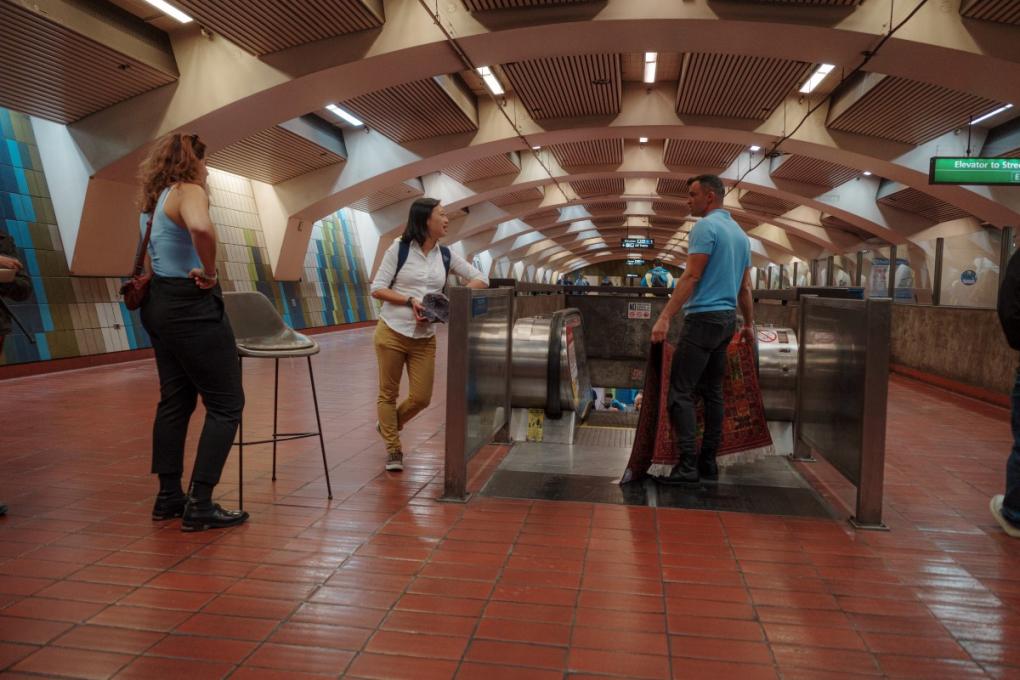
x: 261, y: 333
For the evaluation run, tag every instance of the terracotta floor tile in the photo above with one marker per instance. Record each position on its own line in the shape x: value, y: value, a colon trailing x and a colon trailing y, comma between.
x: 390, y: 667
x: 107, y: 639
x: 302, y: 659
x: 740, y: 651
x: 147, y: 667
x: 104, y: 593
x: 563, y: 597
x: 54, y: 610
x: 11, y: 652
x: 192, y: 582
x: 722, y: 610
x: 618, y: 640
x: 75, y: 663
x: 259, y: 608
x: 118, y: 575
x: 732, y: 629
x: 422, y: 622
x: 455, y: 606
x: 30, y: 631
x: 523, y: 631
x: 250, y: 673
x: 158, y: 598
x: 619, y: 663
x: 484, y: 671
x: 417, y: 644
x: 824, y: 659
x: 140, y: 618
x: 911, y: 645
x: 23, y: 585
x: 707, y: 669
x: 516, y: 654
x: 919, y: 667
x: 230, y: 627
x: 202, y: 648
x: 339, y: 615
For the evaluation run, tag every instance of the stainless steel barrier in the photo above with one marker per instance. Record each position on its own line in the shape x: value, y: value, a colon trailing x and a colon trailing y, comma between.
x: 777, y: 371
x: 842, y: 392
x: 480, y: 342
x: 550, y: 367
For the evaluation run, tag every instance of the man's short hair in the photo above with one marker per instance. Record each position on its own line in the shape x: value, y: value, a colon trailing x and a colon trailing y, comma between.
x: 656, y: 262
x: 710, y: 182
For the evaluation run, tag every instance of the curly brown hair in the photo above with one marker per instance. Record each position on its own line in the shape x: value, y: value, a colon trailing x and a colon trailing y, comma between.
x: 175, y: 158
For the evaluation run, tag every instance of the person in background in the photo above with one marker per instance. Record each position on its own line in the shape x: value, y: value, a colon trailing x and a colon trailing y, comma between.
x: 610, y: 403
x: 640, y: 397
x: 606, y: 281
x: 657, y: 277
x: 194, y: 344
x: 19, y: 290
x: 403, y: 336
x: 1006, y: 507
x: 717, y: 279
x: 583, y: 282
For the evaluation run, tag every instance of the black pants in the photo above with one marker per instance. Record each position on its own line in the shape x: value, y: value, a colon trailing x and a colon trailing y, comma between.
x: 699, y: 368
x: 195, y: 354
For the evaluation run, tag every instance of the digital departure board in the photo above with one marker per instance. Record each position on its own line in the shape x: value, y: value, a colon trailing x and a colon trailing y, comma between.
x: 638, y: 243
x: 959, y: 170
x: 635, y: 263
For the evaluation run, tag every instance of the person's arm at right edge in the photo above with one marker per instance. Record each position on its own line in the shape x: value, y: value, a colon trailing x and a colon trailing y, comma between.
x: 745, y: 299
x: 195, y: 213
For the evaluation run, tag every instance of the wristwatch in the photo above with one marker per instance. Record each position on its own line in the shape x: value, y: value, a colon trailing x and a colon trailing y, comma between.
x: 410, y: 302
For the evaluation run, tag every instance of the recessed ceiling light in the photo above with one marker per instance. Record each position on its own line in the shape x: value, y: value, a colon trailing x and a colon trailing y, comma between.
x: 991, y: 113
x: 755, y: 148
x: 536, y: 148
x: 345, y: 116
x: 817, y: 77
x: 867, y: 173
x: 651, y: 59
x: 168, y: 9
x: 490, y: 80
x: 642, y: 140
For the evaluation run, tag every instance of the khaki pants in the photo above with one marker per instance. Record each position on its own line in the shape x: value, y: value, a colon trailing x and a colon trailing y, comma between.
x: 393, y: 350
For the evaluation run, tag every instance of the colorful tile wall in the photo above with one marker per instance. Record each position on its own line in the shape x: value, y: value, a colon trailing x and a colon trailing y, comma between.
x: 69, y: 316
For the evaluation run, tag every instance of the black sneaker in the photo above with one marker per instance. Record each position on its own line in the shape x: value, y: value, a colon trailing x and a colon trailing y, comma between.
x: 202, y: 516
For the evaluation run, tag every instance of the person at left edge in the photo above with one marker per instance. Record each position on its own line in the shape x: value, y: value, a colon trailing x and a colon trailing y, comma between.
x: 403, y: 336
x: 19, y: 290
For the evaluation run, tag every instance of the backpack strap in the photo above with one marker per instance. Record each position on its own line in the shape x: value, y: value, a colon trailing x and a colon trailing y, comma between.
x: 402, y: 250
x: 445, y: 252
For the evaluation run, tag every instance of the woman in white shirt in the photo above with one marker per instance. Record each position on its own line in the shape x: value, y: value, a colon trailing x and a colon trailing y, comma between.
x: 403, y: 336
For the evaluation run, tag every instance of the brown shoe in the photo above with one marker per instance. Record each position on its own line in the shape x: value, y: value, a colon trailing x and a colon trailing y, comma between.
x: 395, y: 461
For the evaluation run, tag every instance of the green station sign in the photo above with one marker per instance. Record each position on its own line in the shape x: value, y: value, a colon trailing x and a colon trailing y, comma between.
x: 960, y: 170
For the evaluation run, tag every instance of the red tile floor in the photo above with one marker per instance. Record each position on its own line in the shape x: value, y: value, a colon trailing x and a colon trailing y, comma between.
x: 383, y: 582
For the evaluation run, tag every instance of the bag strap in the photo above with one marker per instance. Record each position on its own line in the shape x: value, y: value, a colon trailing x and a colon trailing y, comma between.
x: 445, y: 252
x: 402, y: 251
x: 140, y: 256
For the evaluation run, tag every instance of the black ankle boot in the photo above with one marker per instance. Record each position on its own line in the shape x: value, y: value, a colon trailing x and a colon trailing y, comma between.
x: 169, y: 504
x: 708, y: 468
x: 202, y: 515
x: 684, y: 472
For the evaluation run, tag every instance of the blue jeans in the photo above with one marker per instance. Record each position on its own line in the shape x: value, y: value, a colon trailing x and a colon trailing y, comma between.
x: 1011, y: 502
x: 698, y: 369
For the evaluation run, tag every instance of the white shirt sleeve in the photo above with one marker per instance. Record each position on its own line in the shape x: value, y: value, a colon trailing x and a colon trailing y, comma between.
x: 464, y: 269
x: 387, y: 268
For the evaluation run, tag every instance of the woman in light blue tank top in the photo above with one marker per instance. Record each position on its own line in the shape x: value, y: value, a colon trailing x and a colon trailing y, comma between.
x: 191, y: 336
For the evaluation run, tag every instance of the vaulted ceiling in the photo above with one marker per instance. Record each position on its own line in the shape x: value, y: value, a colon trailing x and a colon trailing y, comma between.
x: 579, y: 150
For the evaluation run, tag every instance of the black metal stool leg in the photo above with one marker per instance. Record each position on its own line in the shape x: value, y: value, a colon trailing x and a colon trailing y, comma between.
x: 318, y: 422
x: 276, y: 395
x: 240, y: 444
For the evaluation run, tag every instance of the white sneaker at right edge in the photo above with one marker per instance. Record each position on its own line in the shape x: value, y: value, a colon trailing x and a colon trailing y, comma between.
x: 995, y: 505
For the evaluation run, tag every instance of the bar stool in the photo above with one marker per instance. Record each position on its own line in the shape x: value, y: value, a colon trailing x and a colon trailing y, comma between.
x: 260, y: 333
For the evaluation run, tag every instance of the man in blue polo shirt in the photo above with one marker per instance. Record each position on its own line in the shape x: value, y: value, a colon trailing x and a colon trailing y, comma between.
x: 716, y: 280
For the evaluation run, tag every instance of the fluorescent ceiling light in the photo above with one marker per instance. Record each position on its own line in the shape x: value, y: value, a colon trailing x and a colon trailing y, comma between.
x: 754, y: 148
x: 817, y: 77
x: 536, y: 148
x: 345, y: 116
x: 642, y: 140
x: 601, y: 254
x: 991, y: 113
x: 168, y: 9
x: 651, y: 58
x: 867, y: 173
x: 490, y: 80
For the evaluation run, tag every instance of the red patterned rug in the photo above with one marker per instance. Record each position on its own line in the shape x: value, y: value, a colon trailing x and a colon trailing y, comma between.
x: 745, y: 431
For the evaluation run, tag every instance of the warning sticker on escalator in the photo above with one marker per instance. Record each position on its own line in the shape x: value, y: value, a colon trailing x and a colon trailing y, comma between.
x: 639, y: 310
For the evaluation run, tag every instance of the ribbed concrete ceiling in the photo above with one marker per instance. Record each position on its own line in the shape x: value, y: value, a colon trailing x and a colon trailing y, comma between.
x: 568, y: 87
x: 272, y: 156
x: 484, y: 5
x: 1005, y: 11
x: 411, y: 111
x: 692, y: 152
x: 922, y: 204
x: 264, y: 26
x: 736, y: 85
x: 54, y: 72
x: 813, y: 171
x: 595, y: 152
x: 493, y: 166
